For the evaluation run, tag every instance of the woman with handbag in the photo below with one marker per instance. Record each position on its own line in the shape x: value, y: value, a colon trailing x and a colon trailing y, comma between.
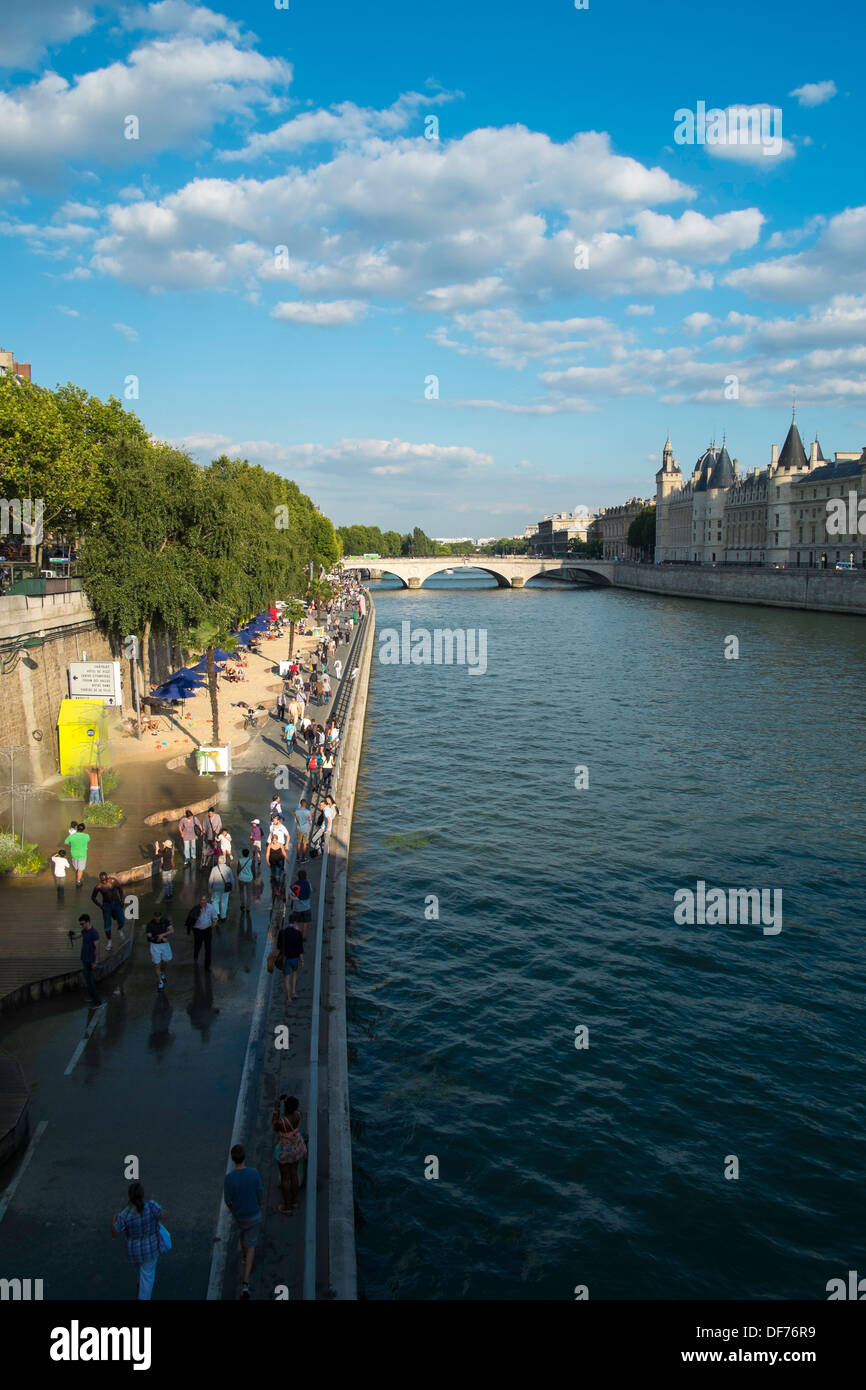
x: 146, y: 1238
x: 290, y: 1149
x: 220, y: 883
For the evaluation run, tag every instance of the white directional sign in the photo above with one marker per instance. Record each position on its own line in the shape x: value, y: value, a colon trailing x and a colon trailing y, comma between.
x: 95, y: 680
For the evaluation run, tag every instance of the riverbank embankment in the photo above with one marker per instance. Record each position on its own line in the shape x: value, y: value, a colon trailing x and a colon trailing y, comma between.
x: 822, y: 591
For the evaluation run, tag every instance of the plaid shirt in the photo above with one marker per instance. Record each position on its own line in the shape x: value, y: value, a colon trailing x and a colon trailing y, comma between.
x: 141, y: 1230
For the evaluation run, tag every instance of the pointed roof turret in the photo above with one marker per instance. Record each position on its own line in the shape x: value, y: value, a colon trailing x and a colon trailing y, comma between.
x: 723, y: 470
x: 793, y: 454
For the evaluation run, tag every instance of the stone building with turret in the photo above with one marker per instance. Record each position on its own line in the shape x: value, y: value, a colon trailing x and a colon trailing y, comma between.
x: 771, y: 516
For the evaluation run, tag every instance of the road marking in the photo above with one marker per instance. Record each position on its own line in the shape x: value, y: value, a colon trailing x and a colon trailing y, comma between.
x: 6, y: 1200
x: 88, y: 1033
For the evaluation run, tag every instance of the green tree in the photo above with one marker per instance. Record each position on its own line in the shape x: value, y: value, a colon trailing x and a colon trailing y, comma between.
x: 53, y: 446
x: 642, y: 532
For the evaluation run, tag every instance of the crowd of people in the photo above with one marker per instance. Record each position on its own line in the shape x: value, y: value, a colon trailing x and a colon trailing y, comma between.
x: 210, y: 853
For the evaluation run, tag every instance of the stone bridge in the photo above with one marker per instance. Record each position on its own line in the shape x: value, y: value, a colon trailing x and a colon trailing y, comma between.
x: 509, y: 571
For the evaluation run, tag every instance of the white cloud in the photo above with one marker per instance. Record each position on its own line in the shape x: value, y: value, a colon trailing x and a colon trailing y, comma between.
x: 130, y: 334
x: 178, y: 17
x: 696, y: 323
x: 381, y: 457
x: 28, y: 29
x: 63, y: 309
x: 178, y: 88
x: 325, y: 315
x: 700, y: 238
x: 751, y: 135
x: 814, y: 93
x: 449, y: 297
x: 344, y: 124
x: 468, y: 217
x: 836, y: 263
x: 510, y: 341
x: 639, y: 310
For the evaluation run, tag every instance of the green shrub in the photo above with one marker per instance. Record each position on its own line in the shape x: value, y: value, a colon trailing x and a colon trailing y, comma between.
x: 14, y: 859
x: 107, y: 813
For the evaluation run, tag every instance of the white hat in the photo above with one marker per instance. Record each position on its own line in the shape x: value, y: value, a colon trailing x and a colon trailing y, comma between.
x: 256, y: 822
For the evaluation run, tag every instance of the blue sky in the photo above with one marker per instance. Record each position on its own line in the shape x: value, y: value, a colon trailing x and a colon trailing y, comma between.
x: 577, y: 279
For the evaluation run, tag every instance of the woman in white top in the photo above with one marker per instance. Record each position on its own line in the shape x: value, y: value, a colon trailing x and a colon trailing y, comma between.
x: 224, y: 840
x: 220, y: 882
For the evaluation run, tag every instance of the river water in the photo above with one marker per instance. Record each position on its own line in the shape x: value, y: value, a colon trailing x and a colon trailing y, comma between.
x: 712, y: 1049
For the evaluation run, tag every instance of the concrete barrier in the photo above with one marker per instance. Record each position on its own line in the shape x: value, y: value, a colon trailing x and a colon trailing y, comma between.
x: 826, y: 591
x: 341, y: 1204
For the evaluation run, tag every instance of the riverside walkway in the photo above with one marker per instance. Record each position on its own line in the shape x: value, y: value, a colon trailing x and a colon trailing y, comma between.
x: 311, y: 1254
x: 181, y: 1053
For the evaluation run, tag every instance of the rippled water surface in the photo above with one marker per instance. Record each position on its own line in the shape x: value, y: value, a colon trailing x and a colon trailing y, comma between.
x: 605, y: 1166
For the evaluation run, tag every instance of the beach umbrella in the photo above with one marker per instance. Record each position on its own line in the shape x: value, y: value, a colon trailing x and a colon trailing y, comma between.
x: 187, y: 675
x: 220, y: 654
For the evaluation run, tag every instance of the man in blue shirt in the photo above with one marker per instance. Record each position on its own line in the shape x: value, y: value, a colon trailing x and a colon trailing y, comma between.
x: 89, y: 939
x: 243, y: 1193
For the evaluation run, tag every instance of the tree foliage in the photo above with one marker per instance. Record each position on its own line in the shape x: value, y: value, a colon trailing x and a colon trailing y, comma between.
x: 642, y: 531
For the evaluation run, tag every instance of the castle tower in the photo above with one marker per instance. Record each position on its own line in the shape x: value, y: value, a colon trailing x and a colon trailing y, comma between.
x: 669, y: 479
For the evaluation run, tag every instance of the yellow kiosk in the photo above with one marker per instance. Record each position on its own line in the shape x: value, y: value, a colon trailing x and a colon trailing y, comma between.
x: 83, y: 733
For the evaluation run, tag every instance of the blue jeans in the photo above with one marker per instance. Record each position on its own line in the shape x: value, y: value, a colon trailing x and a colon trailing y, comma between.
x: 189, y: 851
x: 221, y: 901
x: 115, y: 911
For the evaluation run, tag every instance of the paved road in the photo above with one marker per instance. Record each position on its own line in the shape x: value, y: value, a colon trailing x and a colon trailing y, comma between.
x: 158, y: 1078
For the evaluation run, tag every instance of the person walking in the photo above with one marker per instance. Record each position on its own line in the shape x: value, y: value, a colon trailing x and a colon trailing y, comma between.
x: 289, y: 736
x: 108, y: 895
x: 165, y: 855
x: 200, y: 922
x: 324, y: 822
x: 245, y: 880
x: 220, y: 883
x: 303, y: 820
x: 326, y: 688
x: 256, y: 846
x: 302, y: 902
x: 290, y: 1149
x: 275, y: 807
x: 189, y: 829
x: 314, y: 767
x: 328, y: 761
x: 275, y: 858
x: 224, y: 842
x: 140, y: 1223
x: 59, y: 866
x: 159, y: 929
x: 338, y: 668
x: 281, y: 705
x: 290, y: 944
x: 243, y: 1193
x: 78, y: 840
x: 210, y: 830
x: 89, y: 940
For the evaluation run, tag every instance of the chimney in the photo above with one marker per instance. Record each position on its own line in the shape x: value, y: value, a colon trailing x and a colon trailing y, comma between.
x: 736, y: 463
x: 813, y: 454
x: 775, y: 456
